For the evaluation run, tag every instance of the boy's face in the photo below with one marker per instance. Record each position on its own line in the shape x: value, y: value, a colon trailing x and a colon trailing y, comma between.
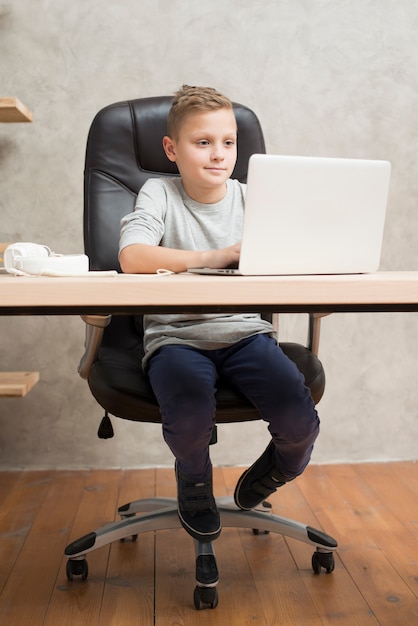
x: 205, y: 152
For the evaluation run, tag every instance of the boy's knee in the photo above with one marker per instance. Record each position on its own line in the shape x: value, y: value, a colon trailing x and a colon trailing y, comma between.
x: 305, y: 427
x: 297, y: 424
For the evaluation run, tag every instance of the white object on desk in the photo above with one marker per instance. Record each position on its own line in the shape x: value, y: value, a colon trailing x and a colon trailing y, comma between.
x: 37, y: 259
x: 55, y: 265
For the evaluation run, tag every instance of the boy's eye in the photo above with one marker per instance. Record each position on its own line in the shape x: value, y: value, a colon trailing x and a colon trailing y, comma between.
x: 206, y: 142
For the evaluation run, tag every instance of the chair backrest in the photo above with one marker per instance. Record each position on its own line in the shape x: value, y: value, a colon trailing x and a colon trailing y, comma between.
x: 124, y: 149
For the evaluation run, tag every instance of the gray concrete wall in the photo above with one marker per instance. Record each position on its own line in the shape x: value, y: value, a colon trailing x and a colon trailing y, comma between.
x: 326, y: 78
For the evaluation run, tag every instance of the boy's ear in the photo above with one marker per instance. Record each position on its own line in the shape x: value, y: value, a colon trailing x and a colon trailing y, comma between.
x: 169, y: 148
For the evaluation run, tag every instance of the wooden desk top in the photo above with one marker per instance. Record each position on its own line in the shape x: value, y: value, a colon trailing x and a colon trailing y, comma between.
x: 381, y: 291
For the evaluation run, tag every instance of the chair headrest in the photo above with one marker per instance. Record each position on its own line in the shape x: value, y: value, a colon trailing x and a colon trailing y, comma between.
x: 125, y: 140
x: 124, y: 149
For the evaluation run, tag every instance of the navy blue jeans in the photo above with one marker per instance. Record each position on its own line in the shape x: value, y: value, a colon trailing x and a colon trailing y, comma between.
x: 184, y: 382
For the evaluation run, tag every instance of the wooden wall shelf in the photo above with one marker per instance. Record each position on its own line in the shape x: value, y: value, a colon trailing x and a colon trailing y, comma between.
x: 17, y: 384
x: 12, y: 110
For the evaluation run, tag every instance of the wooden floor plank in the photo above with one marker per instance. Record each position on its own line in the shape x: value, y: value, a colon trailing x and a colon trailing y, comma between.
x: 8, y: 482
x: 278, y: 584
x: 79, y: 602
x: 400, y: 509
x: 39, y: 560
x: 265, y: 580
x: 406, y: 472
x: 357, y: 514
x: 335, y: 596
x: 331, y: 599
x: 21, y: 501
x: 9, y: 524
x: 396, y: 494
x: 129, y: 589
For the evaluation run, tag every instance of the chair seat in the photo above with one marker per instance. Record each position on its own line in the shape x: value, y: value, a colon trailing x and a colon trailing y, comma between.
x: 121, y: 387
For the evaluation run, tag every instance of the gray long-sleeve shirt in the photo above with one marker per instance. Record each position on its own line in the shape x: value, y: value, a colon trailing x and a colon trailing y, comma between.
x: 164, y: 215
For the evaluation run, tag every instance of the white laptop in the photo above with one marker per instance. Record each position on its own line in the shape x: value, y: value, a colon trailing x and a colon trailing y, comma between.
x: 312, y: 215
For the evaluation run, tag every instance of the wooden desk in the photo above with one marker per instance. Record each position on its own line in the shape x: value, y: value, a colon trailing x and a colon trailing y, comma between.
x: 122, y: 294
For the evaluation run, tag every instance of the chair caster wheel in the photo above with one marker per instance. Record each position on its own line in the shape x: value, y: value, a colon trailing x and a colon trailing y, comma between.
x: 133, y: 538
x: 264, y: 505
x: 205, y: 598
x: 77, y: 567
x: 123, y: 516
x: 323, y: 560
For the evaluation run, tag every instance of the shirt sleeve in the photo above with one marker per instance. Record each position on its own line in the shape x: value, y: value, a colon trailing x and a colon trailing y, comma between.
x: 146, y: 223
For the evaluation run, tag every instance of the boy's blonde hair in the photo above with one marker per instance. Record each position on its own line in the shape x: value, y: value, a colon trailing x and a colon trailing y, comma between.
x: 192, y: 100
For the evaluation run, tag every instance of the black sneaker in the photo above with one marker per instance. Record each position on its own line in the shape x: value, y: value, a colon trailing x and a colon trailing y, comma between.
x: 259, y: 481
x: 197, y: 509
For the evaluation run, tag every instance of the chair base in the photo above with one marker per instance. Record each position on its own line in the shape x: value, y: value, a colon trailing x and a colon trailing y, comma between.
x: 154, y: 514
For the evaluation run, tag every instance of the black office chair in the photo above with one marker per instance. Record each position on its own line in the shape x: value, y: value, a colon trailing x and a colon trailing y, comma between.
x: 124, y: 149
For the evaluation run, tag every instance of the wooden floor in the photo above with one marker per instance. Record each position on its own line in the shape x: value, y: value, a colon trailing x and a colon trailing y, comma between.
x: 371, y: 509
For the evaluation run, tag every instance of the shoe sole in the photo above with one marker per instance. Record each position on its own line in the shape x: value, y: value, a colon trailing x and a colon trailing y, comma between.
x: 237, y: 488
x: 243, y: 476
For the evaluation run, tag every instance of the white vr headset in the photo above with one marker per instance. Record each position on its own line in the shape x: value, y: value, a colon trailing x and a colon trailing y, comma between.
x: 26, y: 258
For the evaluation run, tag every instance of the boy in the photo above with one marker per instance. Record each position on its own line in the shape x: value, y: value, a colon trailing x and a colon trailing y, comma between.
x: 194, y: 221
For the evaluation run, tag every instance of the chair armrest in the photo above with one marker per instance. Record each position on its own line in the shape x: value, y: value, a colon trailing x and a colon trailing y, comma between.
x: 314, y: 330
x: 95, y: 325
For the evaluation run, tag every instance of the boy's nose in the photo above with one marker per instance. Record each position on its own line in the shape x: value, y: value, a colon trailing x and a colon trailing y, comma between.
x: 217, y: 153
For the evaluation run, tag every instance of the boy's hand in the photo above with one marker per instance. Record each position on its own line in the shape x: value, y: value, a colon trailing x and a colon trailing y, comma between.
x: 224, y: 257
